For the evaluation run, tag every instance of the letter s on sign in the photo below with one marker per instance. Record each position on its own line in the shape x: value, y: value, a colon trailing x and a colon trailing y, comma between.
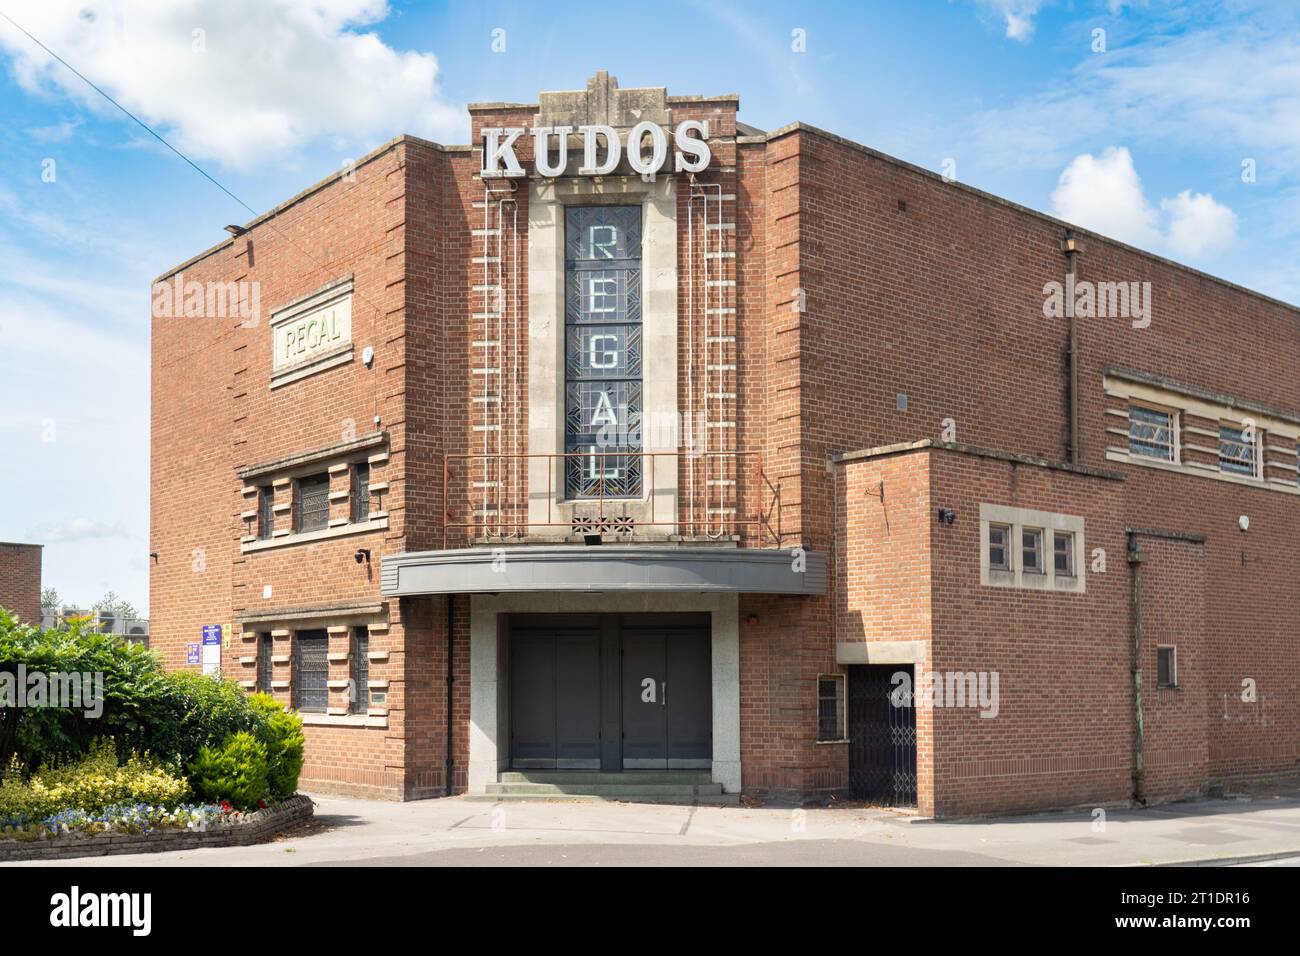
x: 689, y: 145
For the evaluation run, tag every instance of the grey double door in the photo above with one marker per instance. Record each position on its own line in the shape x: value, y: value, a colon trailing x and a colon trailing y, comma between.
x: 610, y: 691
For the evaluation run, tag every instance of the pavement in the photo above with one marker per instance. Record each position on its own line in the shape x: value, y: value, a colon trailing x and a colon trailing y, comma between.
x: 1259, y: 830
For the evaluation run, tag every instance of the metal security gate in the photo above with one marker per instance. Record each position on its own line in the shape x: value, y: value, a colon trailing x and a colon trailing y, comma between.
x: 882, y: 735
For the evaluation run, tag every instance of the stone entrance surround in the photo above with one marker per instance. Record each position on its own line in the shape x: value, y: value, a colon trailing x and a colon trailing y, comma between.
x: 489, y: 678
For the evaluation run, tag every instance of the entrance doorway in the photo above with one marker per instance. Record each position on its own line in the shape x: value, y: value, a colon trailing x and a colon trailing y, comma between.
x: 882, y: 734
x: 610, y: 691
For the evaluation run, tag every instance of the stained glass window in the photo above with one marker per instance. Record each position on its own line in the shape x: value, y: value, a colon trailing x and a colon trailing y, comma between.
x: 602, y: 319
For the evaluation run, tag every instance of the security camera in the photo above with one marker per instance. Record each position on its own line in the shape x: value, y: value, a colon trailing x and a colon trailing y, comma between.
x: 363, y: 554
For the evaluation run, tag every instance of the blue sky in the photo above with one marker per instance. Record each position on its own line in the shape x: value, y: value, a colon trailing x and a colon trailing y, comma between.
x: 1140, y: 132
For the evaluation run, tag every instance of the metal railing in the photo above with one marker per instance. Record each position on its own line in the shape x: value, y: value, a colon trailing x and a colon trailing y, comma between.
x: 750, y: 510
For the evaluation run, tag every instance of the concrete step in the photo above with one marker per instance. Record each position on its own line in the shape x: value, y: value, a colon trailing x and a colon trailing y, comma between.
x: 634, y: 778
x: 626, y: 796
x: 619, y: 791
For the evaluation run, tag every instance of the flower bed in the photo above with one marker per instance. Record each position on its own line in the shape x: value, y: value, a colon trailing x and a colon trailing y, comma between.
x: 138, y: 828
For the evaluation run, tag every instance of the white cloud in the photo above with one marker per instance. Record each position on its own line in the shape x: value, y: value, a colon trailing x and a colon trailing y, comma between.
x: 75, y: 529
x: 1017, y: 16
x: 1232, y: 87
x: 237, y: 80
x: 1104, y: 193
x: 1198, y: 224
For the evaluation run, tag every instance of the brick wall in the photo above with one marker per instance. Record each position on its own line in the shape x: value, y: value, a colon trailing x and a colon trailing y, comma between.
x: 20, y: 580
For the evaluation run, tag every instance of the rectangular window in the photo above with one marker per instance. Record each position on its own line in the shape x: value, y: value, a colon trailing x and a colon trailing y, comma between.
x: 265, y: 512
x: 1063, y: 553
x: 1031, y: 550
x: 360, y: 661
x: 830, y: 707
x: 264, y: 665
x: 1152, y: 433
x: 1166, y: 667
x: 312, y: 503
x: 1000, y: 547
x: 602, y: 375
x: 1237, y: 451
x: 361, y: 492
x: 311, y: 671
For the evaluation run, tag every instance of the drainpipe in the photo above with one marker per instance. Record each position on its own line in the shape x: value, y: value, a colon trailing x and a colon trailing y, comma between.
x: 1135, y: 559
x: 1071, y: 247
x: 451, y: 609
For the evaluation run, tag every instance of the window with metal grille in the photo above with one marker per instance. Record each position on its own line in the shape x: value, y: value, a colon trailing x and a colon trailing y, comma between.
x: 830, y: 707
x: 313, y: 502
x: 1000, y: 547
x: 1237, y: 452
x: 1031, y: 550
x: 361, y: 492
x: 1152, y: 433
x: 264, y: 665
x: 1063, y: 553
x: 360, y: 661
x: 602, y: 379
x: 311, y: 671
x: 1166, y: 666
x: 265, y: 512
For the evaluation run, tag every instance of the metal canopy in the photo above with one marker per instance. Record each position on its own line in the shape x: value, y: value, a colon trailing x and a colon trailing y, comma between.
x: 606, y: 567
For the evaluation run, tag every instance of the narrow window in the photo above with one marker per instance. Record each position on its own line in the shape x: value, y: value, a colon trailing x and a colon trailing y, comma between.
x: 1237, y: 451
x: 264, y: 666
x: 1063, y: 553
x: 830, y: 707
x: 1031, y: 550
x: 313, y: 503
x: 1151, y: 433
x: 602, y: 374
x: 360, y: 660
x: 1166, y: 666
x: 311, y: 671
x: 265, y: 512
x: 361, y: 492
x: 1000, y: 547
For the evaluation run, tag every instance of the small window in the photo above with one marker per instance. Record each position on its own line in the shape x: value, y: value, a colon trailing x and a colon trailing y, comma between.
x: 264, y: 663
x: 1151, y: 433
x: 311, y: 671
x: 361, y: 492
x: 1237, y: 453
x: 1063, y: 553
x: 313, y: 501
x: 1000, y: 547
x: 1166, y: 666
x: 1031, y: 550
x: 265, y: 512
x: 360, y: 660
x: 830, y: 707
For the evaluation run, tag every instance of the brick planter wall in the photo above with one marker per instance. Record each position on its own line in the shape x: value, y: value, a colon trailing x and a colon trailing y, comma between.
x: 254, y: 828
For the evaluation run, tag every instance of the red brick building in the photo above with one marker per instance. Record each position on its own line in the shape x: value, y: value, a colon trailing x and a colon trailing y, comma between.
x: 687, y: 454
x: 20, y: 580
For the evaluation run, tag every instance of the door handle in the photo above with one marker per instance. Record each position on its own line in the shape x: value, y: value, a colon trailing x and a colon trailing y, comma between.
x: 663, y: 693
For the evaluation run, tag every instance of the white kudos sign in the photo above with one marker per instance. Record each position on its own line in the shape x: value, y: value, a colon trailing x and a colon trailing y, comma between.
x: 601, y: 149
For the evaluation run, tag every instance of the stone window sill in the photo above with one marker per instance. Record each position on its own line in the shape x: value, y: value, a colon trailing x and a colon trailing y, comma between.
x: 344, y: 720
x: 377, y: 522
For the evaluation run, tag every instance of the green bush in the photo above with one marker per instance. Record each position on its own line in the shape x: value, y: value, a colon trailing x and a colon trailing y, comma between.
x: 132, y: 678
x: 235, y: 771
x: 189, y: 711
x: 91, y: 783
x: 284, y: 740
